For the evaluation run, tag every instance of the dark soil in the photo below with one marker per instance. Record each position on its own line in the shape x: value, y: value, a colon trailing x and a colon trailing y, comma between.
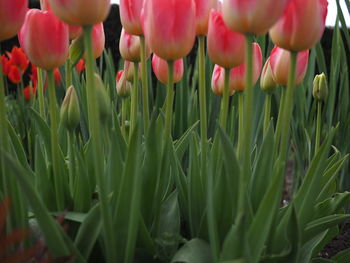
x: 338, y: 244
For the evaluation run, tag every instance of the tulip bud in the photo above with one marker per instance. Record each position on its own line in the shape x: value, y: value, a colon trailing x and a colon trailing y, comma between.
x: 280, y: 63
x: 104, y: 103
x: 320, y: 87
x: 81, y: 12
x: 123, y: 85
x: 70, y: 111
x: 160, y: 69
x: 12, y: 13
x: 130, y: 47
x: 44, y: 39
x: 267, y: 82
x: 76, y: 50
x: 301, y: 25
x: 253, y: 17
x: 203, y: 8
x: 130, y: 16
x: 129, y: 70
x: 169, y: 27
x: 225, y: 47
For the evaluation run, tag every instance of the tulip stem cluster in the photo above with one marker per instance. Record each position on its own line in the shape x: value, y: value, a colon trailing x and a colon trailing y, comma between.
x: 318, y: 126
x: 95, y: 136
x: 41, y: 93
x: 202, y: 100
x: 169, y: 99
x: 54, y: 143
x: 134, y: 99
x: 267, y: 112
x: 144, y: 84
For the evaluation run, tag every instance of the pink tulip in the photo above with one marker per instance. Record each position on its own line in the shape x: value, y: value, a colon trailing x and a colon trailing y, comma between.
x: 237, y: 74
x: 225, y: 47
x: 74, y: 31
x: 130, y: 16
x: 98, y: 39
x: 301, y: 25
x: 129, y: 47
x: 160, y: 69
x: 169, y: 27
x: 12, y: 13
x: 44, y: 39
x: 252, y: 16
x: 81, y: 12
x: 203, y: 8
x: 280, y: 63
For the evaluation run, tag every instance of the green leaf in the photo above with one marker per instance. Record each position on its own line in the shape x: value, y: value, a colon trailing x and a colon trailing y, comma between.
x: 194, y: 251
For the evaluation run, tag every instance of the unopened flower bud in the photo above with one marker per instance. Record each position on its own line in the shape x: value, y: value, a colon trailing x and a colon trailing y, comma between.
x: 320, y: 88
x: 104, y: 103
x: 123, y: 85
x: 267, y: 82
x: 70, y: 111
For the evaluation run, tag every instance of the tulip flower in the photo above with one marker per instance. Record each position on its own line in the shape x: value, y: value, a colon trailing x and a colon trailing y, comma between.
x: 252, y: 16
x: 74, y: 32
x: 123, y: 86
x: 80, y: 66
x: 301, y: 25
x: 130, y: 16
x: 44, y: 39
x: 5, y: 64
x: 280, y: 63
x: 18, y: 58
x: 237, y: 74
x: 320, y: 87
x: 169, y: 27
x: 28, y: 92
x: 267, y: 83
x: 129, y: 70
x: 12, y: 13
x: 225, y: 47
x: 70, y: 111
x: 203, y: 8
x: 129, y: 47
x: 81, y: 12
x: 14, y: 74
x: 160, y: 69
x: 217, y: 81
x: 98, y: 39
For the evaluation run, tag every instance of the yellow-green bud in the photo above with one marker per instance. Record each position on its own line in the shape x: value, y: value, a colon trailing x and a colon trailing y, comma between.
x: 267, y: 82
x: 320, y: 87
x: 70, y: 111
x: 104, y: 103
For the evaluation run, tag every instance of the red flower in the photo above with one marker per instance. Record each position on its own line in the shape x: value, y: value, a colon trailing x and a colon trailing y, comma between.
x: 14, y: 74
x: 5, y: 65
x: 28, y: 92
x: 57, y: 76
x: 18, y: 58
x: 80, y: 66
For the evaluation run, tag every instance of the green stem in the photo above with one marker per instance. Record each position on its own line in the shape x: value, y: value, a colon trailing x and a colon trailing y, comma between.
x: 95, y: 135
x: 225, y: 100
x: 134, y: 99
x: 41, y: 94
x: 202, y: 102
x: 318, y: 126
x: 71, y: 158
x: 58, y: 180
x: 169, y: 99
x: 144, y: 84
x: 267, y: 112
x: 280, y: 115
x: 124, y: 109
x: 248, y: 115
x: 68, y: 74
x: 287, y: 112
x: 240, y: 120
